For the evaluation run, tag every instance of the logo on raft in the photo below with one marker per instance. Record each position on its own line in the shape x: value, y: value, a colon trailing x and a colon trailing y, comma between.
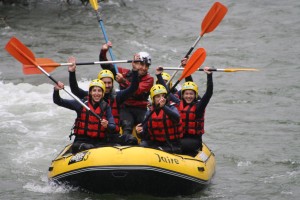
x: 78, y: 157
x: 166, y: 159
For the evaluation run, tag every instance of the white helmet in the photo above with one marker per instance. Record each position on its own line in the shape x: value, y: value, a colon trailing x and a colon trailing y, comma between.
x: 145, y: 57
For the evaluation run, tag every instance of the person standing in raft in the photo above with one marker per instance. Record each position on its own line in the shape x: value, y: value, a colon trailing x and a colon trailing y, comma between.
x: 113, y: 98
x: 192, y: 113
x: 89, y: 131
x: 134, y: 108
x: 163, y: 130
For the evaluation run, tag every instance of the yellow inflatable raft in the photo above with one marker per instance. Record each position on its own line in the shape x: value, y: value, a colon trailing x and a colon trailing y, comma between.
x: 133, y: 169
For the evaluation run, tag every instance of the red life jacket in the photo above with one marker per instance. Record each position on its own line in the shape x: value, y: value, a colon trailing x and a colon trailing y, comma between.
x: 89, y: 125
x: 115, y: 111
x: 140, y: 97
x: 192, y: 125
x: 161, y: 128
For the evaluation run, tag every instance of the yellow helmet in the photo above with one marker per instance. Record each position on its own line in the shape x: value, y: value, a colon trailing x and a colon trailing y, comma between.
x: 157, y: 89
x: 98, y: 83
x: 166, y: 77
x: 106, y: 74
x: 190, y: 86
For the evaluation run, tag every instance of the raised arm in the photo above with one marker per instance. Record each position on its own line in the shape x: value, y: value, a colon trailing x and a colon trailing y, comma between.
x: 102, y: 57
x: 66, y: 103
x: 208, y: 93
x: 172, y: 112
x: 72, y: 80
x: 161, y: 81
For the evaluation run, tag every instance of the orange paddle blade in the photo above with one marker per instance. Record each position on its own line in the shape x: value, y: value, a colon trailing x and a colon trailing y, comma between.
x: 194, y: 63
x: 23, y: 54
x: 32, y: 70
x: 46, y: 63
x: 213, y: 18
x: 17, y: 49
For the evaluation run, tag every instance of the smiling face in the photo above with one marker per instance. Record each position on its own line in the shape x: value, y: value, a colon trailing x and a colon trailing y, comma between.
x: 143, y: 69
x: 189, y: 96
x: 108, y: 84
x: 96, y: 94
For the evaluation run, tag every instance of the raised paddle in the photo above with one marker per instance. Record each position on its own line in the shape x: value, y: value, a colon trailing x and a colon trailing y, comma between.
x: 94, y: 4
x: 217, y: 70
x: 48, y: 64
x: 20, y: 52
x: 192, y: 65
x: 209, y: 23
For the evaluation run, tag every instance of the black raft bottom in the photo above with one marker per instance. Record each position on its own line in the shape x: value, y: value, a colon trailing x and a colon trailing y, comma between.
x: 152, y: 181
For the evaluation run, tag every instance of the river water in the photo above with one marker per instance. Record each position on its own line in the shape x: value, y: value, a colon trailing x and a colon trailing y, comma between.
x: 252, y: 120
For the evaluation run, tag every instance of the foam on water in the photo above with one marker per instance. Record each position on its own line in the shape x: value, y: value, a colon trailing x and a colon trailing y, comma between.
x: 30, y: 132
x: 48, y: 188
x: 244, y: 164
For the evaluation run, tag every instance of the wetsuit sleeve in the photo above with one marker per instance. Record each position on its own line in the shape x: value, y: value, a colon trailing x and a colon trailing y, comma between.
x: 125, y: 84
x: 172, y: 112
x: 174, y: 98
x: 74, y: 86
x: 206, y: 97
x: 122, y: 95
x: 102, y: 57
x: 144, y: 134
x: 161, y: 81
x: 189, y: 78
x: 110, y: 67
x: 70, y: 104
x: 111, y: 122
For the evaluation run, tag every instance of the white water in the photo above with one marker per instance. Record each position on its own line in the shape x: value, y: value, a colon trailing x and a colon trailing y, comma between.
x: 28, y: 136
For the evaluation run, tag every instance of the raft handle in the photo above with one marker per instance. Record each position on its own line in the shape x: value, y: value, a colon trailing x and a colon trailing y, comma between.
x: 119, y: 174
x: 201, y: 169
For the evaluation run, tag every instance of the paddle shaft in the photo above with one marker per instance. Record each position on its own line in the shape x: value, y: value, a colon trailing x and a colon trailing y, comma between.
x: 216, y: 70
x: 99, y: 62
x: 186, y: 56
x: 50, y: 65
x: 106, y: 39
